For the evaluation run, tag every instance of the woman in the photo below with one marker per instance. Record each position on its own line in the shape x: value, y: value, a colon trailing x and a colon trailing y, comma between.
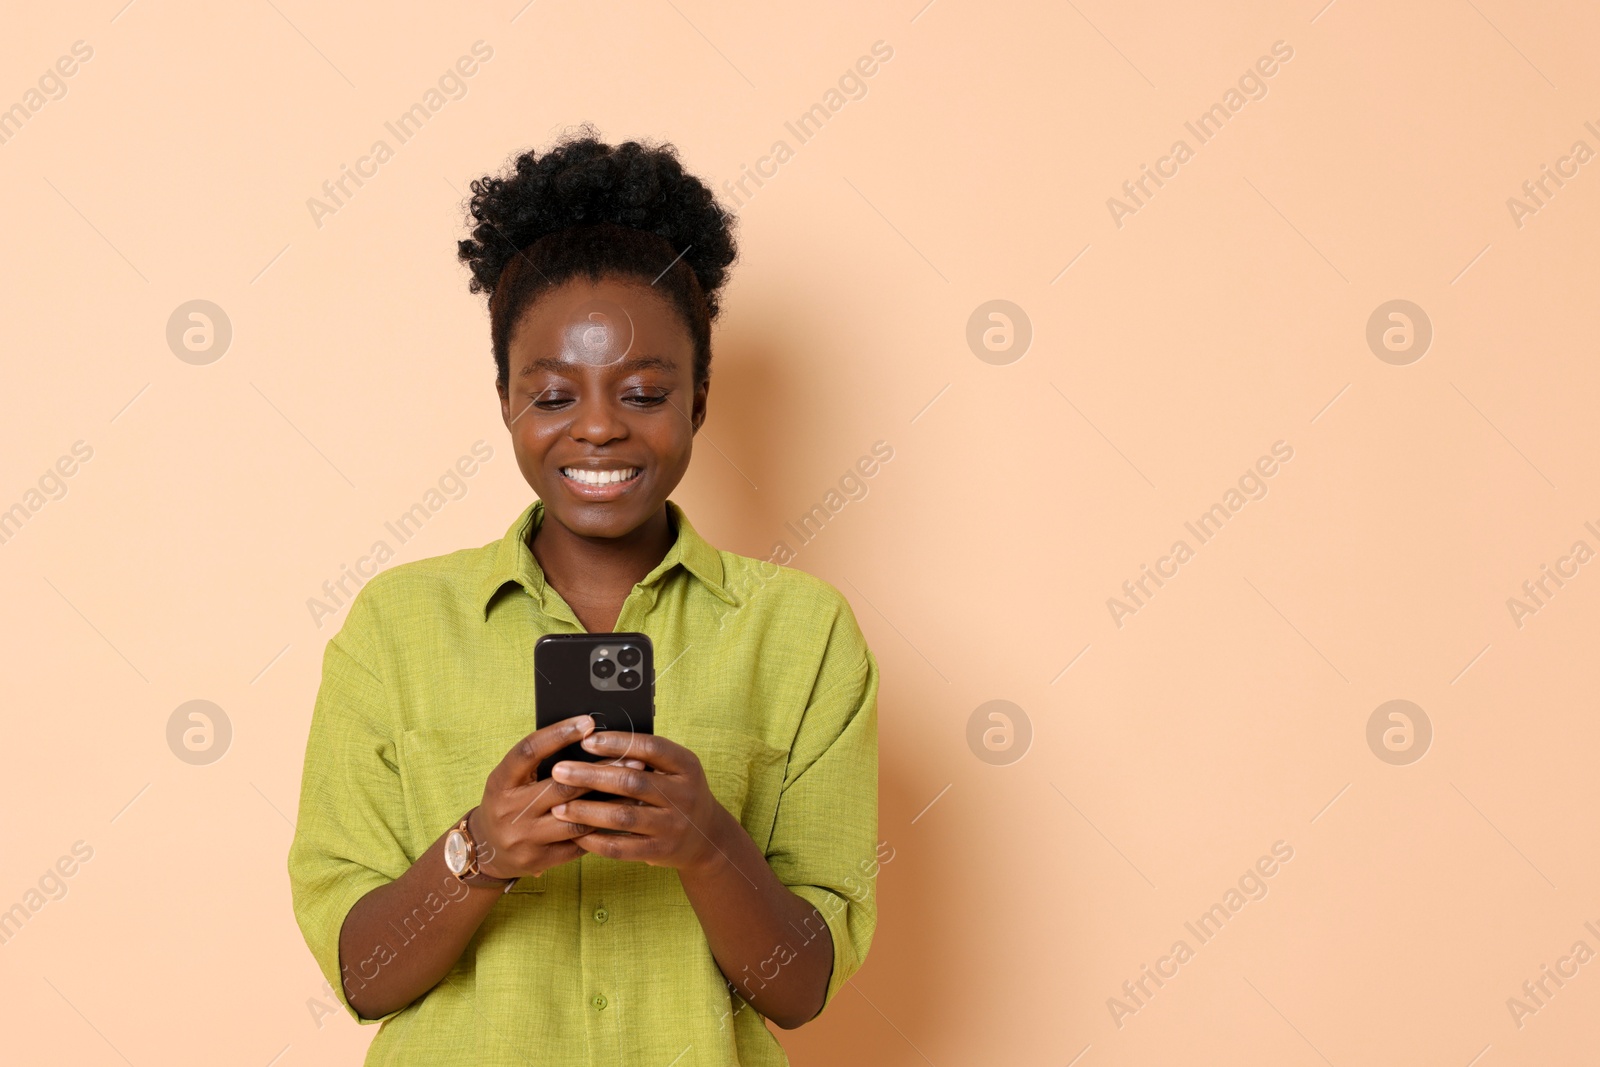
x: 735, y: 869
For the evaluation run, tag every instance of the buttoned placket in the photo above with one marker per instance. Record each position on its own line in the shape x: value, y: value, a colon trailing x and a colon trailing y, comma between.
x: 598, y: 947
x: 599, y: 934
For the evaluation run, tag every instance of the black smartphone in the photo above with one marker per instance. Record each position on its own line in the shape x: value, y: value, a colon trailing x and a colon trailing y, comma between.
x: 609, y: 676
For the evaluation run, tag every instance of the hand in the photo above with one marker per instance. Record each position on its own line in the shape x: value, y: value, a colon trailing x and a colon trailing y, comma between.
x: 516, y: 833
x: 672, y: 820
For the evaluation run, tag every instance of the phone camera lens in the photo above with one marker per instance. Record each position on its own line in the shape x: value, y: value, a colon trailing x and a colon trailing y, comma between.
x: 604, y: 668
x: 629, y: 657
x: 628, y: 679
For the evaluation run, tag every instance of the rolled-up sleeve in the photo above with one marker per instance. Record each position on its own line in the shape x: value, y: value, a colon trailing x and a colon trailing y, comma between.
x: 347, y: 839
x: 824, y: 843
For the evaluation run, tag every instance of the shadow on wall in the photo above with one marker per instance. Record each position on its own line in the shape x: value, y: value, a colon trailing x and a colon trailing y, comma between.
x: 753, y: 451
x: 771, y: 419
x: 776, y: 443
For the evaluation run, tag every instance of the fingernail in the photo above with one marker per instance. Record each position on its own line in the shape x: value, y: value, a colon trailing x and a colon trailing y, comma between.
x: 585, y: 724
x: 590, y: 741
x: 559, y: 811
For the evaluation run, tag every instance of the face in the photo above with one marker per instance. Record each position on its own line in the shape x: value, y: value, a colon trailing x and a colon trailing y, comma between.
x: 601, y: 403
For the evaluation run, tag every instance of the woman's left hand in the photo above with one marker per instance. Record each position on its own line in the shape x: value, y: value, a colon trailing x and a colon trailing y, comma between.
x: 673, y: 821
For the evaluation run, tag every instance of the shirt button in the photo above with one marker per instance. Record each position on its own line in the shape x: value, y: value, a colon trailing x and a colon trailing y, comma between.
x: 601, y: 915
x: 600, y: 1002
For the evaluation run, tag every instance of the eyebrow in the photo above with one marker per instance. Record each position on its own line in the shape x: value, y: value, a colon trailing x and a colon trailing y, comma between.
x: 563, y: 366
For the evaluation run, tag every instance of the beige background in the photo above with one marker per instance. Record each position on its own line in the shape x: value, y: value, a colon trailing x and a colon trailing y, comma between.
x: 1168, y: 354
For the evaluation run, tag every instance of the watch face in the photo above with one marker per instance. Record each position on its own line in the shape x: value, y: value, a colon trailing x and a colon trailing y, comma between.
x: 455, y: 852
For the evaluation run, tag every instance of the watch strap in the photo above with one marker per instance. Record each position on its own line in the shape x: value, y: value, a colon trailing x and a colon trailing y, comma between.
x: 473, y: 875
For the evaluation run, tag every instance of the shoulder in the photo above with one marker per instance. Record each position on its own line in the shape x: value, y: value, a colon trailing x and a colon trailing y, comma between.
x: 448, y: 577
x: 746, y: 578
x: 422, y: 592
x: 803, y: 629
x: 799, y: 605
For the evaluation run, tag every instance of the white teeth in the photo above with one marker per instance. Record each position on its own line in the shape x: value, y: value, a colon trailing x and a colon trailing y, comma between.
x: 588, y: 477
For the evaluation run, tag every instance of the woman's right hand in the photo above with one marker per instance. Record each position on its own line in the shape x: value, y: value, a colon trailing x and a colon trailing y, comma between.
x: 516, y: 834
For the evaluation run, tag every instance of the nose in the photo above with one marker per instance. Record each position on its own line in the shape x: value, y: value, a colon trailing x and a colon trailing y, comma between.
x: 596, y: 421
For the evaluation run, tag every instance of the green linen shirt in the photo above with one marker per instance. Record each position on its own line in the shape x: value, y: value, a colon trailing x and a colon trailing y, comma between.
x: 761, y: 670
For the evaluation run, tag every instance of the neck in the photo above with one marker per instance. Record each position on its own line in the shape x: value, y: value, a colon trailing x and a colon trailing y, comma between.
x: 590, y: 569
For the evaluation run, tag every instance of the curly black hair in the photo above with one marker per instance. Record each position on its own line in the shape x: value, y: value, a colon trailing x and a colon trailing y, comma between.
x: 593, y: 209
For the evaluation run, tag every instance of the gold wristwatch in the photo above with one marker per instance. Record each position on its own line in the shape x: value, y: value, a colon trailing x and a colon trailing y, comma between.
x: 461, y: 858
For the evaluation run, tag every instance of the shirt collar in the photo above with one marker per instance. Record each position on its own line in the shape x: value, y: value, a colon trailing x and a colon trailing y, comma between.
x: 513, y: 560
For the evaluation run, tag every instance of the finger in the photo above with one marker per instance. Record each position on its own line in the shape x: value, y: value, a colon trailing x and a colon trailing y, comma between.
x: 546, y: 829
x: 638, y: 819
x: 620, y: 846
x: 554, y: 829
x: 544, y: 837
x: 608, y: 778
x: 534, y: 799
x: 658, y: 752
x: 519, y: 764
x: 634, y: 764
x: 557, y: 854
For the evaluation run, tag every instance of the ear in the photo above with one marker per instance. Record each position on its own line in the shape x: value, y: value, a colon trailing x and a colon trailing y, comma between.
x: 698, y: 417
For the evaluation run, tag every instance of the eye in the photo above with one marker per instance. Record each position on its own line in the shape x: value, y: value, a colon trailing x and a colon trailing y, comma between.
x: 646, y: 400
x: 548, y: 401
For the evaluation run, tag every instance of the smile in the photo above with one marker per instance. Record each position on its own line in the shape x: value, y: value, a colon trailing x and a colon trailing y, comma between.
x: 615, y: 476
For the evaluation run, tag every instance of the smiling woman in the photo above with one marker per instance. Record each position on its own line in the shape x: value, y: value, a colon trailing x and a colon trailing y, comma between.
x: 754, y: 803
x: 602, y: 403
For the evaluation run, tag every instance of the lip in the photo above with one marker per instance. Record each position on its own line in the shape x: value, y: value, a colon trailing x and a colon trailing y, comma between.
x: 610, y: 491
